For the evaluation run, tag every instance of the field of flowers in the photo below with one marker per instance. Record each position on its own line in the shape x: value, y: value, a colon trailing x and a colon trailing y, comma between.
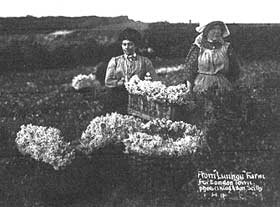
x: 63, y: 115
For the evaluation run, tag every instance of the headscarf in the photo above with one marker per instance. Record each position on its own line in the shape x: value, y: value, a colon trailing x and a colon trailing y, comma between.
x: 205, y: 27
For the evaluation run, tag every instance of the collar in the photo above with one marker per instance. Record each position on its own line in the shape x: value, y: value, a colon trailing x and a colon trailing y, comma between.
x: 212, y: 45
x: 130, y: 56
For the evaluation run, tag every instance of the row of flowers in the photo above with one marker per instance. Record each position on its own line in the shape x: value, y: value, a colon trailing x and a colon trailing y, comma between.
x: 158, y: 137
x: 170, y: 69
x: 109, y: 129
x: 154, y: 145
x: 157, y: 91
x: 83, y: 81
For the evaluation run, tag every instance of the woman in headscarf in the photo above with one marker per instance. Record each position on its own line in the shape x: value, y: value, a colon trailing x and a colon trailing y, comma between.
x: 211, y: 70
x: 211, y: 62
x: 121, y: 68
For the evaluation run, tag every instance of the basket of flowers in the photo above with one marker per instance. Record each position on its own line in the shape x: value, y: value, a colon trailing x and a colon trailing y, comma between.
x: 152, y: 99
x: 160, y: 155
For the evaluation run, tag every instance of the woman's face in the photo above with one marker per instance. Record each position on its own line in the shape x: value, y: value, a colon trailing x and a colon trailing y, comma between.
x: 128, y: 47
x: 215, y: 33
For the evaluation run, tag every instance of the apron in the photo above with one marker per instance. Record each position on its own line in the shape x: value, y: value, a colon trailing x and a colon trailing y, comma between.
x: 212, y: 65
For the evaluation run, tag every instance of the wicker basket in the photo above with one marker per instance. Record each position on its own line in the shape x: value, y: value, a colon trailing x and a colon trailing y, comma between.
x: 141, y: 107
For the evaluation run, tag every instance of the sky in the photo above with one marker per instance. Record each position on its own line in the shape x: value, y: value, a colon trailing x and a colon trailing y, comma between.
x: 173, y: 11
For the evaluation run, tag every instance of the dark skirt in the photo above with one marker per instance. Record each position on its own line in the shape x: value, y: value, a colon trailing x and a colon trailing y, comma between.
x: 117, y: 100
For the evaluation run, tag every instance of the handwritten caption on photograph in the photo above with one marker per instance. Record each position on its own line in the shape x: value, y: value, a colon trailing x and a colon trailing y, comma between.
x: 228, y: 185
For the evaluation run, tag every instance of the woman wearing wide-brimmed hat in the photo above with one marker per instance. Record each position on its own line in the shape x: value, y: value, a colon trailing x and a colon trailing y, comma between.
x: 211, y: 62
x: 121, y: 68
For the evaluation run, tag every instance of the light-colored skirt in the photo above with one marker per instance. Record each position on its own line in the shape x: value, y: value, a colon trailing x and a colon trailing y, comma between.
x: 218, y: 82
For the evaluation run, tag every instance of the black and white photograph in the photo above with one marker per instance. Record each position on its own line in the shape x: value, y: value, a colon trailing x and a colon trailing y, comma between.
x: 139, y: 103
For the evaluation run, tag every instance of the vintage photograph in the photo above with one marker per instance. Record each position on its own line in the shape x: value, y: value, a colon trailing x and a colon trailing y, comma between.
x: 139, y: 103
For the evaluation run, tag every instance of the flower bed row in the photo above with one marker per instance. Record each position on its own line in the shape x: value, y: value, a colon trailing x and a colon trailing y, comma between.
x: 170, y: 69
x: 114, y: 148
x: 159, y: 137
x: 84, y: 81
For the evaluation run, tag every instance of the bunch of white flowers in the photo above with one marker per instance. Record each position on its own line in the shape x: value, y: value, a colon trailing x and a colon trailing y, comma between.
x: 167, y: 128
x: 179, y: 94
x: 143, y: 87
x: 157, y: 91
x: 146, y: 144
x: 45, y: 144
x: 82, y: 81
x: 164, y: 70
x: 143, y: 143
x: 109, y: 129
x: 164, y: 137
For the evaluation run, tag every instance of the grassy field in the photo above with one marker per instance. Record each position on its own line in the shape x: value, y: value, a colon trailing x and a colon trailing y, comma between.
x: 46, y: 98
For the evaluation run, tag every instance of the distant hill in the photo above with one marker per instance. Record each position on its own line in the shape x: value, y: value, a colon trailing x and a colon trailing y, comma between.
x: 51, y: 42
x: 33, y: 25
x: 56, y: 31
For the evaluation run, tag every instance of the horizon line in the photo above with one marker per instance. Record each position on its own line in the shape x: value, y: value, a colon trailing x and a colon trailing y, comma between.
x: 162, y: 21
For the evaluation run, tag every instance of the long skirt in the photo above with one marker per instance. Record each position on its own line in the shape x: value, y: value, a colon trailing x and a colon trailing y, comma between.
x: 117, y: 100
x: 204, y: 82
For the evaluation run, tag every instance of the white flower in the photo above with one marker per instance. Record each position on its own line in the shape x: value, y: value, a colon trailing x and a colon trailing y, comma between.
x: 164, y: 70
x: 108, y: 129
x: 156, y: 90
x: 44, y: 144
x: 164, y: 137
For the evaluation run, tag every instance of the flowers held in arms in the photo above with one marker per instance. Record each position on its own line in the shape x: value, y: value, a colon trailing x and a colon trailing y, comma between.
x: 157, y: 91
x: 83, y: 81
x: 105, y: 130
x: 162, y: 137
x: 45, y: 144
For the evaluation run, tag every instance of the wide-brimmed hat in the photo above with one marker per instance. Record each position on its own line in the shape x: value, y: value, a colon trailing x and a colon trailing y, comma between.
x: 206, y: 25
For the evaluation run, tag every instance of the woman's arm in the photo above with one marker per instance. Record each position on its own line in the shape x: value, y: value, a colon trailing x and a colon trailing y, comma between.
x: 234, y: 66
x: 191, y: 63
x: 111, y: 80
